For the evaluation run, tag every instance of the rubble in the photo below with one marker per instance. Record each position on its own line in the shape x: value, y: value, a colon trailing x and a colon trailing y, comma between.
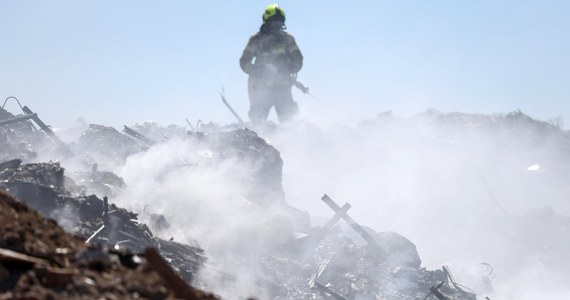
x: 299, y: 261
x: 264, y: 159
x: 42, y: 187
x: 17, y: 138
x: 105, y: 144
x: 39, y: 260
x: 334, y: 265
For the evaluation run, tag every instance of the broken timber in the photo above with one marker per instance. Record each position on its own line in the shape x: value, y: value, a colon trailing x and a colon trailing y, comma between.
x: 435, y: 291
x: 7, y: 255
x: 33, y: 116
x: 189, y: 124
x: 338, y: 215
x: 42, y: 125
x: 320, y: 270
x: 461, y: 288
x: 329, y: 291
x: 341, y: 213
x: 230, y: 107
x: 138, y: 136
x: 11, y: 164
x: 17, y: 119
x: 95, y: 234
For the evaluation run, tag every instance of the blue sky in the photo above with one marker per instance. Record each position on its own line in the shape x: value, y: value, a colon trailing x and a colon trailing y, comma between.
x: 119, y: 62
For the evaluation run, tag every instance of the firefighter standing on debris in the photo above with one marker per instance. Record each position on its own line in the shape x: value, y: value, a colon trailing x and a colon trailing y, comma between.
x: 274, y: 71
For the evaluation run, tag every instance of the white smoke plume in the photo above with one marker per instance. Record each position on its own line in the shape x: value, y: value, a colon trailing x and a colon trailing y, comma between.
x: 484, y: 195
x: 481, y: 194
x: 203, y: 196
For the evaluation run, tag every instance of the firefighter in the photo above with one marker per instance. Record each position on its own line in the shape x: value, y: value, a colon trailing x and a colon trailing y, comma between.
x: 272, y: 60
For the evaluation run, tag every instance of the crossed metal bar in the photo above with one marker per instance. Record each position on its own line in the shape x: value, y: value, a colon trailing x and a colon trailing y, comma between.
x: 341, y: 213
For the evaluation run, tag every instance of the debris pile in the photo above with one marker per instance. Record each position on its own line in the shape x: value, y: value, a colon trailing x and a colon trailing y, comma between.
x: 17, y: 137
x: 341, y: 259
x: 105, y: 144
x: 39, y: 260
x: 330, y: 262
x: 43, y: 187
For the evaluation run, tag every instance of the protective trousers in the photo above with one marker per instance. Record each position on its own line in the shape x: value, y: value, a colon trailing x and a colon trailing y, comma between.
x: 264, y: 95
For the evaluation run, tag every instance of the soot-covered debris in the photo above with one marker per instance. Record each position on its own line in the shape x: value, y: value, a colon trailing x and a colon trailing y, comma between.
x: 299, y: 261
x: 106, y: 144
x: 340, y: 264
x: 41, y: 186
x: 40, y: 260
x: 17, y: 139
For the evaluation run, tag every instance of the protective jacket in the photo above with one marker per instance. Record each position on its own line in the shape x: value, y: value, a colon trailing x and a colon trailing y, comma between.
x: 277, y: 57
x: 272, y: 60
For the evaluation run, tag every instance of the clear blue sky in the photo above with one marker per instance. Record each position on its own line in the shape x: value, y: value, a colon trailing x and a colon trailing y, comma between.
x: 119, y: 62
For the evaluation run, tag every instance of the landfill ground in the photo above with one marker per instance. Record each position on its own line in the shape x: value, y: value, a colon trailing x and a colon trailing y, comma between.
x: 39, y: 260
x: 64, y: 237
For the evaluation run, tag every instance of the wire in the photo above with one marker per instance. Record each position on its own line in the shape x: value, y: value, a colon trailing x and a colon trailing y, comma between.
x: 12, y: 97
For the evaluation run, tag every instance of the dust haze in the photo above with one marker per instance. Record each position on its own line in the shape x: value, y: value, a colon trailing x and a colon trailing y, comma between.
x: 471, y: 191
x: 482, y: 194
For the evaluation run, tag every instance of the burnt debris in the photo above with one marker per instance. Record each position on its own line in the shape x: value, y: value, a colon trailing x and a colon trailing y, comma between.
x: 39, y: 260
x: 105, y: 250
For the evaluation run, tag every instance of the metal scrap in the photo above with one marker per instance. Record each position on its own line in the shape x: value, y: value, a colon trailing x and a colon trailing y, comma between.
x: 139, y: 136
x: 435, y: 291
x: 320, y: 270
x: 18, y: 119
x: 461, y: 288
x: 222, y: 94
x: 329, y: 291
x: 47, y: 130
x: 95, y: 234
x: 342, y: 213
x: 7, y: 255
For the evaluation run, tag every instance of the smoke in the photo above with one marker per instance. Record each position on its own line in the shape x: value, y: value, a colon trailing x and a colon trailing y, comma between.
x: 466, y: 189
x: 66, y: 217
x: 202, y: 193
x: 484, y: 195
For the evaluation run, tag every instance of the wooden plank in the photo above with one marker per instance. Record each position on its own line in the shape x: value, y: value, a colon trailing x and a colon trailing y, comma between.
x: 141, y: 137
x: 326, y: 289
x: 47, y: 130
x: 95, y: 234
x: 338, y: 215
x: 320, y: 269
x: 17, y: 119
x: 435, y: 291
x: 365, y: 235
x: 42, y: 125
x: 7, y: 255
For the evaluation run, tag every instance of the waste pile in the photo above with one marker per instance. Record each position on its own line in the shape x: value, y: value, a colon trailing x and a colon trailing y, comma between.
x: 17, y: 138
x: 43, y: 187
x: 39, y: 260
x: 298, y: 261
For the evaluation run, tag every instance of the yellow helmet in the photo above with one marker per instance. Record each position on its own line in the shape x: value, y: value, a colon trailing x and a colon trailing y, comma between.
x: 273, y: 11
